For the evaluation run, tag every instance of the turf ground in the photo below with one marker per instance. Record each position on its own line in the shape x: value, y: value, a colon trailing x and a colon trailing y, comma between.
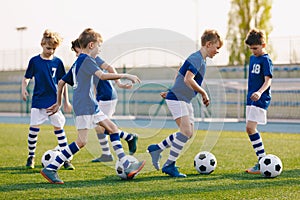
x: 99, y: 181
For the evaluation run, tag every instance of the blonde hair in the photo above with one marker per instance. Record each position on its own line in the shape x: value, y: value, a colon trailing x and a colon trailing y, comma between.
x: 51, y: 38
x: 87, y: 36
x: 210, y: 35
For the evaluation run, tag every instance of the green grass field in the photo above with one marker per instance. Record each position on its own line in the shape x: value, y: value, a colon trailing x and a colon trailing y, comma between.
x: 98, y: 181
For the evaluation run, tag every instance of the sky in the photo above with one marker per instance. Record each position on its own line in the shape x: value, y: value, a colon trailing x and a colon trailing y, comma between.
x: 112, y: 17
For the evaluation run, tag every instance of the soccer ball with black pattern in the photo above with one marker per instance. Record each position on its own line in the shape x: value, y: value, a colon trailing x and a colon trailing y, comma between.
x: 270, y: 166
x: 49, y: 156
x: 120, y: 169
x: 205, y: 162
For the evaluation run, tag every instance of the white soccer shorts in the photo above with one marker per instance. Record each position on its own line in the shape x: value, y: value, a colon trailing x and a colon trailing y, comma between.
x: 89, y: 121
x: 108, y: 107
x: 180, y: 109
x: 256, y: 114
x: 40, y: 116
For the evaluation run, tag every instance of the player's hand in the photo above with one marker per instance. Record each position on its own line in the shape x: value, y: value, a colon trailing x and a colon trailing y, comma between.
x: 68, y: 107
x: 133, y: 78
x: 163, y: 94
x: 255, y: 96
x: 53, y: 109
x: 205, y: 99
x: 25, y: 95
x: 124, y: 85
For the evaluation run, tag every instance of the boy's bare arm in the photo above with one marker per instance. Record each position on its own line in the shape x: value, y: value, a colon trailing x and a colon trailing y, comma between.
x: 112, y: 76
x: 256, y: 95
x: 111, y: 69
x: 25, y: 83
x: 190, y: 81
x: 55, y: 107
x: 67, y: 104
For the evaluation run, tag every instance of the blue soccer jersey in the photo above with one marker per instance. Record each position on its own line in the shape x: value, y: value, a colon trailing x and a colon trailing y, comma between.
x: 105, y: 89
x: 81, y: 76
x: 180, y: 91
x: 259, y: 67
x: 46, y: 75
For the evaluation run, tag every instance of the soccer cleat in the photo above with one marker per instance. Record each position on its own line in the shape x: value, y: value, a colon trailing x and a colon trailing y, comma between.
x: 172, y: 170
x: 132, y: 144
x: 253, y: 170
x: 154, y: 152
x: 51, y: 176
x: 104, y: 158
x: 30, y: 162
x: 132, y: 170
x: 68, y: 165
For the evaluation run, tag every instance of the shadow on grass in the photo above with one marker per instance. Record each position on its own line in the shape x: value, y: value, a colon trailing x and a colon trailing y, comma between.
x: 19, y: 170
x: 104, y: 182
x: 158, y: 191
x: 294, y: 173
x: 153, y: 185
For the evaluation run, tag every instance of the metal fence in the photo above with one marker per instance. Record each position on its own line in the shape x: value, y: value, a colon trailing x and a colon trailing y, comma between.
x: 227, y: 99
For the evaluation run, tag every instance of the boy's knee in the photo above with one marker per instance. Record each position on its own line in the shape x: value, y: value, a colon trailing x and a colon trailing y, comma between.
x: 250, y: 130
x: 81, y: 143
x: 113, y: 129
x: 188, y: 134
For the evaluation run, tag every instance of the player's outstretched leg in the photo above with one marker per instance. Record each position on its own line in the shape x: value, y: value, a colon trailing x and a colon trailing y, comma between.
x: 50, y: 171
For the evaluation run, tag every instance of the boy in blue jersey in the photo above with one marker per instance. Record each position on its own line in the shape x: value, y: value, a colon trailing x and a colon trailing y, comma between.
x: 47, y: 70
x: 106, y: 96
x: 85, y: 106
x: 186, y: 86
x: 259, y: 91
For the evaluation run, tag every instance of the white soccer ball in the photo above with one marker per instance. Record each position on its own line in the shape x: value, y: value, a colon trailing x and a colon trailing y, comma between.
x: 120, y: 169
x: 270, y: 166
x: 205, y: 162
x: 49, y: 156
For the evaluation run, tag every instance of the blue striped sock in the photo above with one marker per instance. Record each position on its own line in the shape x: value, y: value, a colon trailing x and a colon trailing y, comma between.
x: 63, y: 156
x: 126, y: 136
x: 166, y: 143
x: 61, y: 138
x: 117, y: 146
x: 32, y: 140
x: 257, y: 145
x: 104, y: 143
x: 176, y: 147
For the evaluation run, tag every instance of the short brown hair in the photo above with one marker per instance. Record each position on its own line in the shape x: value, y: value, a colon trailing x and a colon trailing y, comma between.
x: 255, y: 37
x: 51, y: 38
x: 210, y: 35
x: 87, y: 36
